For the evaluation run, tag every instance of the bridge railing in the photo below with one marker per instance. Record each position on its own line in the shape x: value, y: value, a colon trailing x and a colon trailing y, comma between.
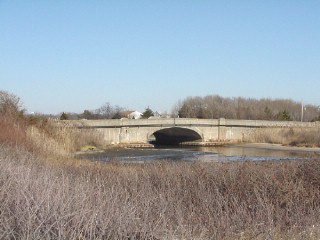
x: 187, y: 122
x: 265, y: 123
x: 143, y: 122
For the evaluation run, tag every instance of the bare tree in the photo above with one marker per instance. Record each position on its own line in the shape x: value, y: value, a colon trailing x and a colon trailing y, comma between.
x: 10, y: 104
x: 215, y: 106
x: 176, y: 108
x: 107, y: 111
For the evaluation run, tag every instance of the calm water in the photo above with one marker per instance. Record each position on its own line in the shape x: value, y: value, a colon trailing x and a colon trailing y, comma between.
x: 226, y: 153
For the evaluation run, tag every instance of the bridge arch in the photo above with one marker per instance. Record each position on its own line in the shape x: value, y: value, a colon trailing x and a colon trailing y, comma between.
x: 175, y: 135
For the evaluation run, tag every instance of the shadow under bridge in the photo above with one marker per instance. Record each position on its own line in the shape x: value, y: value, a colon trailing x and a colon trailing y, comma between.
x: 175, y: 136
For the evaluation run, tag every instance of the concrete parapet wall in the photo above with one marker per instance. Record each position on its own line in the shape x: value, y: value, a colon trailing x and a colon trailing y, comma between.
x: 189, y: 121
x: 264, y: 123
x: 143, y: 122
x: 141, y: 130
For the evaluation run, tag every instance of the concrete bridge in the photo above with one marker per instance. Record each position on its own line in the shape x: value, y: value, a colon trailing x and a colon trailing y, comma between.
x: 177, y: 130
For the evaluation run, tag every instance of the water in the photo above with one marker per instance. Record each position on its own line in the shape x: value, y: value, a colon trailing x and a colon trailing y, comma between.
x: 206, y: 154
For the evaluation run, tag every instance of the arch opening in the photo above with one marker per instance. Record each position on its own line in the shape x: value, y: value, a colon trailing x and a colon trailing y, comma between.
x: 175, y: 136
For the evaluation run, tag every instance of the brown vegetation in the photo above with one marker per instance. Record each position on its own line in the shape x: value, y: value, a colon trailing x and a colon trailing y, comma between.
x: 300, y: 137
x: 46, y: 136
x: 162, y: 200
x: 215, y: 106
x: 64, y: 137
x: 46, y: 195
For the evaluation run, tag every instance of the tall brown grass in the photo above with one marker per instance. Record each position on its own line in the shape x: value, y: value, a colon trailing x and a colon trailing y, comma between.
x: 58, y: 137
x: 160, y: 200
x: 12, y: 132
x: 46, y: 136
x: 306, y: 137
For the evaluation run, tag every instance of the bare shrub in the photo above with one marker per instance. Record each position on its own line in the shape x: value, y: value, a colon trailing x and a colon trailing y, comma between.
x: 10, y: 105
x: 160, y: 200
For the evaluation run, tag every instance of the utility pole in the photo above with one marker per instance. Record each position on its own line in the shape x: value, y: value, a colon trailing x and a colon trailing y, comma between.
x: 302, y: 108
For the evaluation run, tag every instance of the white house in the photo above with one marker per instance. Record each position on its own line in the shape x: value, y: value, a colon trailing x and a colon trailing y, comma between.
x: 134, y: 115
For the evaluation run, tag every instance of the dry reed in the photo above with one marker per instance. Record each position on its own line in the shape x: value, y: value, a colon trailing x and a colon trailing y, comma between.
x: 159, y: 200
x: 61, y: 138
x: 288, y: 136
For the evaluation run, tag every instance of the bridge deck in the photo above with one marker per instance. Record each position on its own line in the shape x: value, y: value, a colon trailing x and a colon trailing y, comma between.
x: 185, y: 122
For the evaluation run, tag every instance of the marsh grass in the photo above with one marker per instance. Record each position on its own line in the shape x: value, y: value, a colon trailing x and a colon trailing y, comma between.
x: 302, y: 137
x: 13, y: 132
x: 52, y: 196
x: 47, y: 137
x: 60, y: 137
x: 161, y: 200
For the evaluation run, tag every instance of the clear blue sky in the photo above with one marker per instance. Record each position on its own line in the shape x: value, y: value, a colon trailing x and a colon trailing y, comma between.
x: 76, y: 55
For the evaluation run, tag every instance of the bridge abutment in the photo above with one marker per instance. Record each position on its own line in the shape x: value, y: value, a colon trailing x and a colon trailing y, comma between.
x: 222, y: 129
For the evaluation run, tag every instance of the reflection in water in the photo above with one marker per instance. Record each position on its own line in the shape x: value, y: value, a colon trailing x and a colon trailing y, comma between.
x: 227, y: 153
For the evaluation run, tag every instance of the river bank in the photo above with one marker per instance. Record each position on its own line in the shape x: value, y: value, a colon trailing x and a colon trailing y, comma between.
x: 280, y: 147
x: 227, y: 152
x: 271, y: 146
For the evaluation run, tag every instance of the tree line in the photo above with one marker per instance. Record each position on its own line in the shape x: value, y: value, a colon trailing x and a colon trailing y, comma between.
x: 208, y: 107
x: 215, y: 106
x: 106, y: 111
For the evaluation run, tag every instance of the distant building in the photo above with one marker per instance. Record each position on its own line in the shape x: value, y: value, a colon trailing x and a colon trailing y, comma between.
x: 156, y: 114
x: 134, y: 115
x: 165, y: 115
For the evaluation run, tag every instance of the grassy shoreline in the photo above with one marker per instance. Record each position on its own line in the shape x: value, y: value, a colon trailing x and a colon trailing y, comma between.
x: 278, y: 146
x: 293, y: 137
